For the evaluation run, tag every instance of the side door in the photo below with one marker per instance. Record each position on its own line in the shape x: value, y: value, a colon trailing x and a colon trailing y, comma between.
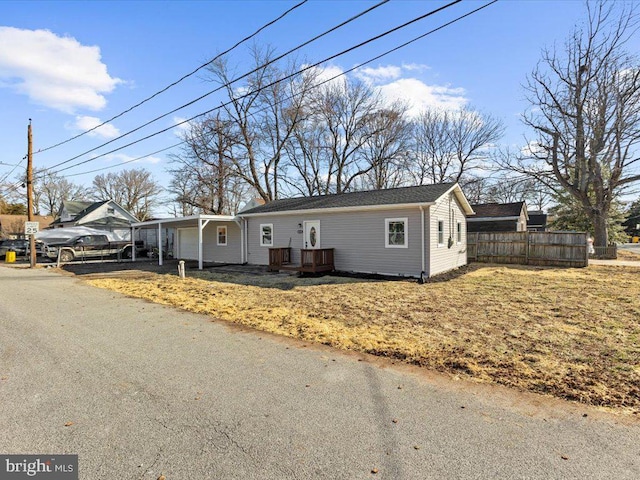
x: 311, y: 234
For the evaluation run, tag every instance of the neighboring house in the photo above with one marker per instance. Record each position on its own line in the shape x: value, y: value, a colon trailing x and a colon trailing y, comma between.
x: 106, y: 215
x: 498, y: 217
x: 411, y: 231
x: 537, y: 221
x: 12, y: 226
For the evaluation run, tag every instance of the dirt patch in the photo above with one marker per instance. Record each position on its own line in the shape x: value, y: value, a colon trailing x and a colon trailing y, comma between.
x: 570, y: 333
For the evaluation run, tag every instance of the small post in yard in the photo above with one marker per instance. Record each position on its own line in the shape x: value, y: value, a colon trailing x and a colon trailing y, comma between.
x: 32, y: 238
x: 181, y: 269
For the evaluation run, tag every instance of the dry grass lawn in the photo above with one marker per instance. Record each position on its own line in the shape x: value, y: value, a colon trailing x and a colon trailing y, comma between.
x: 571, y: 333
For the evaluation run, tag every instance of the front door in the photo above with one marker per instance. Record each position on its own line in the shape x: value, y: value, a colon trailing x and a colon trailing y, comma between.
x: 312, y: 234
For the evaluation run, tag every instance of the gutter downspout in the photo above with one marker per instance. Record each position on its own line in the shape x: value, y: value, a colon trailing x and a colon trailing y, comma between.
x: 423, y: 242
x: 160, y: 243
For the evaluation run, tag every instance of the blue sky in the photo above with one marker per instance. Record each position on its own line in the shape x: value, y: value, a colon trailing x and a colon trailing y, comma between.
x: 69, y: 65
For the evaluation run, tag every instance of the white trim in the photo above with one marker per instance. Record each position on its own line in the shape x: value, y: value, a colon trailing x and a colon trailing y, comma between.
x: 314, y: 211
x: 215, y: 218
x: 263, y: 244
x: 226, y: 235
x: 405, y: 221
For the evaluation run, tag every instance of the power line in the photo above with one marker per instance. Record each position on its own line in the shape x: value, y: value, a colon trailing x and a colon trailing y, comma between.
x: 13, y: 169
x: 368, y: 10
x: 377, y: 57
x: 128, y: 161
x: 184, y: 77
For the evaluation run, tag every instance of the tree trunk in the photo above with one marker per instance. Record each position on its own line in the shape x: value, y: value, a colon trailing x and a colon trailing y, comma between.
x: 601, y: 233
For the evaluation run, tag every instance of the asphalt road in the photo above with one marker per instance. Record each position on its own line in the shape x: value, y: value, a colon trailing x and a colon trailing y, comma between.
x: 137, y: 389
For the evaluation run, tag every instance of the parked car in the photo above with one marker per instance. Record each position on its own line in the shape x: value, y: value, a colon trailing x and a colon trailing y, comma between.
x: 21, y: 247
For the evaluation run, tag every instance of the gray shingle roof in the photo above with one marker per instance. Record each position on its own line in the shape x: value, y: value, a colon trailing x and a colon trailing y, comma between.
x: 498, y: 209
x: 392, y: 196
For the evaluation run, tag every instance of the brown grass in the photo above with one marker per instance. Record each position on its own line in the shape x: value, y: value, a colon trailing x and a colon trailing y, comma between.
x: 571, y: 333
x: 628, y: 256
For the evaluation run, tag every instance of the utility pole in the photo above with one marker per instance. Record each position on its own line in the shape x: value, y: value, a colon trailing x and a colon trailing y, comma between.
x: 32, y: 238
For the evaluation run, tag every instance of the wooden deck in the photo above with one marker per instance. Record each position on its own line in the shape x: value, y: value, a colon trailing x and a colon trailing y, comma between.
x: 312, y: 261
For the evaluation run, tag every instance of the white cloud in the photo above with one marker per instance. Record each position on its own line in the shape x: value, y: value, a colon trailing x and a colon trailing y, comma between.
x: 415, y: 67
x: 182, y: 126
x: 87, y: 123
x: 418, y: 95
x: 122, y: 157
x: 54, y: 71
x: 533, y: 149
x: 326, y: 74
x: 379, y: 74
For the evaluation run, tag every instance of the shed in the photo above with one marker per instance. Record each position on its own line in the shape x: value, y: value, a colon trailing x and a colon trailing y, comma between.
x: 499, y: 217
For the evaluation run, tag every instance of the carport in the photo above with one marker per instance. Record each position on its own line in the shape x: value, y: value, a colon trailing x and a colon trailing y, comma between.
x: 191, y: 236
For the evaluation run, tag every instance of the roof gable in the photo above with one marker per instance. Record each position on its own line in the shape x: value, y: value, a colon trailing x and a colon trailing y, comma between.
x: 370, y: 198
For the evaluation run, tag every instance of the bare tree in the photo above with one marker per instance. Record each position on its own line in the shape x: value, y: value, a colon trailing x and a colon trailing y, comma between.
x: 386, y: 148
x: 204, y: 179
x: 50, y: 190
x: 450, y: 144
x: 134, y: 189
x: 585, y: 110
x: 263, y: 114
x: 346, y: 109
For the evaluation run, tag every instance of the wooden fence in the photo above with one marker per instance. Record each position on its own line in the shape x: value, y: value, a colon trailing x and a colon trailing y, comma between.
x: 567, y: 249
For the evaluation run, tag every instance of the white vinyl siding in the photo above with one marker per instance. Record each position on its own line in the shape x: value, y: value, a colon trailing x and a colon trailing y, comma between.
x: 441, y: 256
x: 187, y: 243
x: 356, y: 237
x: 396, y: 232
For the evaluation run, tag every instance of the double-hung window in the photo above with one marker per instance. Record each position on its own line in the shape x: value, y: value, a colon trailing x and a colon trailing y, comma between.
x: 222, y: 235
x: 396, y: 232
x: 266, y: 235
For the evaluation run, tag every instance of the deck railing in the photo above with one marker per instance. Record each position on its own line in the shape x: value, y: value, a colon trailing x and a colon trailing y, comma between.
x: 318, y: 260
x: 279, y: 257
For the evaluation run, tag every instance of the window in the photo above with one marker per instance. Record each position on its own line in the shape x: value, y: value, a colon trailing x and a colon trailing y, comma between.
x: 266, y: 235
x: 222, y: 235
x: 459, y: 232
x: 440, y: 232
x: 111, y: 211
x: 396, y: 232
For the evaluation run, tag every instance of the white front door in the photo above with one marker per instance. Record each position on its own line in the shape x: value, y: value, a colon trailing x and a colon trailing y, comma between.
x: 312, y: 234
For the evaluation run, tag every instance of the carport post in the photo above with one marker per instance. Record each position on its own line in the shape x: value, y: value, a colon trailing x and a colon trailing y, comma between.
x: 133, y: 244
x: 201, y: 226
x: 160, y: 243
x: 199, y: 244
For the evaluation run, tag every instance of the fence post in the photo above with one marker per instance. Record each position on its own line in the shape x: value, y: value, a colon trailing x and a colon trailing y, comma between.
x: 526, y: 249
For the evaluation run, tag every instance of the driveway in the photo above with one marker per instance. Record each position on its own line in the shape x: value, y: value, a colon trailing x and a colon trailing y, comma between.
x: 138, y: 389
